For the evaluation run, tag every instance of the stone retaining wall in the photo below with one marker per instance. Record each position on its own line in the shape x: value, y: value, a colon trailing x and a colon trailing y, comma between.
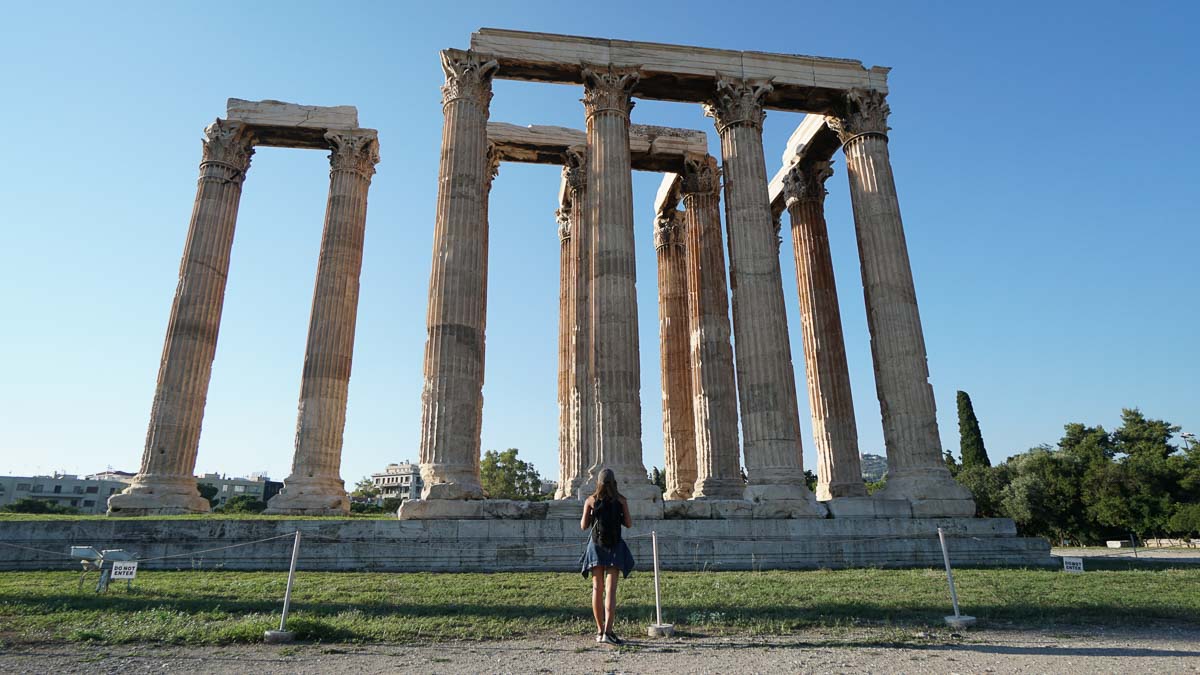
x: 520, y: 545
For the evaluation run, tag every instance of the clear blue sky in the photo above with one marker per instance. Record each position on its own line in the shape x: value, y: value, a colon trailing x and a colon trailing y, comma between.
x: 1045, y: 156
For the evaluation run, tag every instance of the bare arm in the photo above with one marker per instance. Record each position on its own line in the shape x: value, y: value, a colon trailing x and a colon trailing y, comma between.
x: 625, y: 510
x: 586, y: 520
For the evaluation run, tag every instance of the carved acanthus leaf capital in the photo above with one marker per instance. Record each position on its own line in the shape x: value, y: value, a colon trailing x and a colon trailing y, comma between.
x: 575, y: 170
x: 865, y: 111
x: 738, y: 102
x: 609, y: 88
x: 805, y: 182
x: 668, y: 229
x: 356, y: 151
x: 228, y: 143
x: 701, y: 176
x: 468, y: 76
x: 563, y: 216
x: 493, y: 165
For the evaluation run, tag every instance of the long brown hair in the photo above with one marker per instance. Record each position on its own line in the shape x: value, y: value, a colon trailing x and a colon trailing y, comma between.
x: 606, y: 486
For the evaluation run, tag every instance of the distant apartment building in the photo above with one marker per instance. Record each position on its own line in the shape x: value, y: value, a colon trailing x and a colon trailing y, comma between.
x: 257, y: 485
x: 399, y: 481
x: 88, y: 494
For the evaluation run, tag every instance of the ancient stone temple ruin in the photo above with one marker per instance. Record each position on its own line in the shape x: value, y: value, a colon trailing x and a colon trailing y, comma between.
x: 713, y: 369
x: 166, y: 483
x: 599, y: 378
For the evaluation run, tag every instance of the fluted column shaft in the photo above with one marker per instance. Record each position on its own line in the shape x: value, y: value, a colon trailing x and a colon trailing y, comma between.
x: 452, y: 399
x: 568, y: 461
x: 839, y: 470
x: 615, y: 364
x: 766, y: 384
x: 315, y: 486
x: 574, y: 467
x: 679, y: 441
x: 916, y: 469
x: 714, y: 394
x: 165, y: 482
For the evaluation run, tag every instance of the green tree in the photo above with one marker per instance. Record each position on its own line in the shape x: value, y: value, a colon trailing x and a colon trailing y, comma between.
x: 987, y: 484
x: 244, y: 504
x: 876, y: 486
x: 365, y: 488
x: 659, y: 478
x: 209, y: 492
x: 951, y: 463
x: 810, y: 479
x: 504, y: 476
x: 1138, y: 489
x: 1185, y: 522
x: 970, y: 447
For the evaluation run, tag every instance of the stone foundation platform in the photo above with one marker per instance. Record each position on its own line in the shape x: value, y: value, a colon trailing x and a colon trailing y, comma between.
x: 550, y: 545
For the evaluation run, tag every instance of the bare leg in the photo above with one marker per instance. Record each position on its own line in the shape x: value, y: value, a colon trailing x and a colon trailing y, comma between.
x: 610, y: 597
x: 598, y: 598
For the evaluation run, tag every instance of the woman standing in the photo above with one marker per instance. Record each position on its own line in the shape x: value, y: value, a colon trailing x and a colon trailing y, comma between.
x: 605, y: 512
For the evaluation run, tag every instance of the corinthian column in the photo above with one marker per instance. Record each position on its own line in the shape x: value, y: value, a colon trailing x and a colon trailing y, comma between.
x: 916, y: 470
x: 581, y: 394
x: 679, y: 440
x: 839, y: 471
x: 714, y: 397
x: 452, y: 399
x: 165, y: 482
x: 766, y: 384
x: 315, y: 485
x: 567, y: 460
x: 615, y: 366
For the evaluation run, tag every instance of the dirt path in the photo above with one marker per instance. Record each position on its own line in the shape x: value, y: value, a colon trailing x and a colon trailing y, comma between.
x: 1141, y: 650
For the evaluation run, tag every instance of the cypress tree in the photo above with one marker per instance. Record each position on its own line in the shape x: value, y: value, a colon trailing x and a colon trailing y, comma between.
x: 970, y: 438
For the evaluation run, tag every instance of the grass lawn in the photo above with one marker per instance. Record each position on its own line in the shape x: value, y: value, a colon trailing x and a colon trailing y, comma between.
x: 212, y: 607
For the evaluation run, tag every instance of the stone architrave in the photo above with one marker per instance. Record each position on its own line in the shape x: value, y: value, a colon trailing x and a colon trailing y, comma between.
x: 916, y: 470
x: 165, y: 483
x: 679, y: 441
x: 315, y: 486
x: 839, y: 471
x: 614, y: 351
x: 452, y: 399
x: 714, y: 394
x: 766, y: 384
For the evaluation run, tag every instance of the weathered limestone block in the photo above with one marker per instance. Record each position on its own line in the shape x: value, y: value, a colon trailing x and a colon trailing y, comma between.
x: 440, y: 509
x: 729, y: 509
x: 281, y: 114
x: 869, y: 507
x: 687, y: 509
x: 564, y: 509
x: 514, y: 510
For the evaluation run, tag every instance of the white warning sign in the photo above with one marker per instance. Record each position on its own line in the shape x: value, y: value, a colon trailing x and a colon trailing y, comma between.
x: 123, y: 570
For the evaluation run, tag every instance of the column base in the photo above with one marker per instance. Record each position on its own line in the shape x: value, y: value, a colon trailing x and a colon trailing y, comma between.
x: 451, y: 481
x: 154, y: 496
x: 798, y: 499
x: 677, y: 494
x: 309, y: 497
x: 932, y: 494
x: 827, y: 491
x: 720, y: 488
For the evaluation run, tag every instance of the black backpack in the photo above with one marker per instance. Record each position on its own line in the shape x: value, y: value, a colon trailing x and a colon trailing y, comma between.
x: 607, y: 517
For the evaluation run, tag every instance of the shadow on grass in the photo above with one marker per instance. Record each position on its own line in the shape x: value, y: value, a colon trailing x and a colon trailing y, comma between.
x: 778, y: 617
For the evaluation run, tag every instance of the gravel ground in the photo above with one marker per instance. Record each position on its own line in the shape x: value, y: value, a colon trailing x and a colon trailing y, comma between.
x: 1171, y: 649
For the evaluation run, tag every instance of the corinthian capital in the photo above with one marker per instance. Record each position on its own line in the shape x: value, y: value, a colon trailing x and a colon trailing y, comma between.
x: 805, y: 182
x: 865, y: 111
x: 701, y: 176
x: 738, y: 101
x: 563, y: 216
x: 228, y: 143
x: 608, y: 88
x: 667, y: 230
x: 354, y: 150
x: 468, y: 76
x: 575, y: 170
